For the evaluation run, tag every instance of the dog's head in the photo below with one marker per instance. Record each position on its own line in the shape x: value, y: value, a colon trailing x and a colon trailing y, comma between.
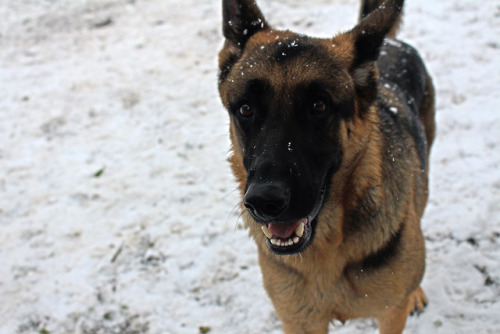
x: 299, y: 110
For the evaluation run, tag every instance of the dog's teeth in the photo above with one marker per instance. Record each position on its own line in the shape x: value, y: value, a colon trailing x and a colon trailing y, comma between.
x: 284, y: 243
x: 268, y: 233
x: 300, y: 230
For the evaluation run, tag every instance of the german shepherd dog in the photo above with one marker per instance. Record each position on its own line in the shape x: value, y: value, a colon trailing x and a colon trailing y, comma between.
x: 330, y: 145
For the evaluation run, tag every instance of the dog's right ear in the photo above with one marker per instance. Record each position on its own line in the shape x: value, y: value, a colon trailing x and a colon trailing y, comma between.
x: 241, y: 19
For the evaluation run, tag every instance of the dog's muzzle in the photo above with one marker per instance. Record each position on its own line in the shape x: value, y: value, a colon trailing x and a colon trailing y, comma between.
x: 268, y: 204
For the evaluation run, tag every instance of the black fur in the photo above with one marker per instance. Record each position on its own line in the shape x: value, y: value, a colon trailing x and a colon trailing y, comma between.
x: 241, y: 20
x: 385, y: 254
x: 403, y: 74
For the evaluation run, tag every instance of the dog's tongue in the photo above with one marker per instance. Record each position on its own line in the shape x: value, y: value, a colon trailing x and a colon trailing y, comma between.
x: 285, y: 230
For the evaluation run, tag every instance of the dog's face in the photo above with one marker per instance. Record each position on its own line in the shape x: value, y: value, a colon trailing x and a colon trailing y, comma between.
x: 288, y: 101
x: 296, y: 107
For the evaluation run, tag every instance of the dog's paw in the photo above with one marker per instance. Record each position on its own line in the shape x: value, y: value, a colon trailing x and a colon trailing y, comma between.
x: 418, y: 301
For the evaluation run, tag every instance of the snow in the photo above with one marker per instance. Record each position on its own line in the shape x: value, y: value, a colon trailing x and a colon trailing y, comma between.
x: 118, y: 211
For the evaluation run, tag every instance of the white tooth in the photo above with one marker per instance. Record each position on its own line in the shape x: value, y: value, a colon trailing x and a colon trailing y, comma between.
x: 296, y: 240
x: 266, y: 231
x: 273, y: 241
x: 278, y: 242
x: 290, y: 242
x: 299, y: 231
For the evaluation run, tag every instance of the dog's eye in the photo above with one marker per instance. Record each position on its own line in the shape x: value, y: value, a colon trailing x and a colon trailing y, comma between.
x: 246, y: 111
x: 318, y: 107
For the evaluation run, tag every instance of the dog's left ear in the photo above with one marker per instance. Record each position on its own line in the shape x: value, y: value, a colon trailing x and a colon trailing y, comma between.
x: 365, y: 41
x: 241, y: 19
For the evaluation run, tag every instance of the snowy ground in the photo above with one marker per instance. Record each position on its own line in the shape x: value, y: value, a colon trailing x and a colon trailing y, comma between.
x: 117, y: 207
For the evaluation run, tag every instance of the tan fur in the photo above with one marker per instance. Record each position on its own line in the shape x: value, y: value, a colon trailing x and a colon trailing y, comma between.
x: 328, y: 280
x: 345, y: 292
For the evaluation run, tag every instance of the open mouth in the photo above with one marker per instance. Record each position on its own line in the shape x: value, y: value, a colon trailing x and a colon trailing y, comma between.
x: 286, y: 238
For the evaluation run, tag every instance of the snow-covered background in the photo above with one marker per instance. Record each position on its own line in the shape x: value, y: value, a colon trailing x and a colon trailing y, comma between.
x: 117, y: 207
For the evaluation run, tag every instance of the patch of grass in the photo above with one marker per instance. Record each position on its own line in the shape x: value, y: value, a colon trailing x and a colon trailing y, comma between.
x: 99, y: 172
x: 107, y: 316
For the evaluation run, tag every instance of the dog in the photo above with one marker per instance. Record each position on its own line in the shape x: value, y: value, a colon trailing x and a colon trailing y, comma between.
x: 330, y: 150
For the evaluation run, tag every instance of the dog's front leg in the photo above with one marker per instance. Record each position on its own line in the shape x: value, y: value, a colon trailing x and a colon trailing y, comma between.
x: 294, y: 299
x: 394, y: 320
x: 318, y: 327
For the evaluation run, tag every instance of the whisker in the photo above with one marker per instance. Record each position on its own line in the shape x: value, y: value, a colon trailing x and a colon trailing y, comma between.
x: 233, y: 212
x: 244, y: 211
x: 230, y: 193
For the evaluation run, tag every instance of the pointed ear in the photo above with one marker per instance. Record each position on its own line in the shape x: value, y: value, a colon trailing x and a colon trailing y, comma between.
x: 369, y: 34
x: 367, y: 38
x: 240, y: 20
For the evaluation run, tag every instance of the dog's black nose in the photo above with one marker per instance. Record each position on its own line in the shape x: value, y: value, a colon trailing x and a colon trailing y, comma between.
x: 267, y: 202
